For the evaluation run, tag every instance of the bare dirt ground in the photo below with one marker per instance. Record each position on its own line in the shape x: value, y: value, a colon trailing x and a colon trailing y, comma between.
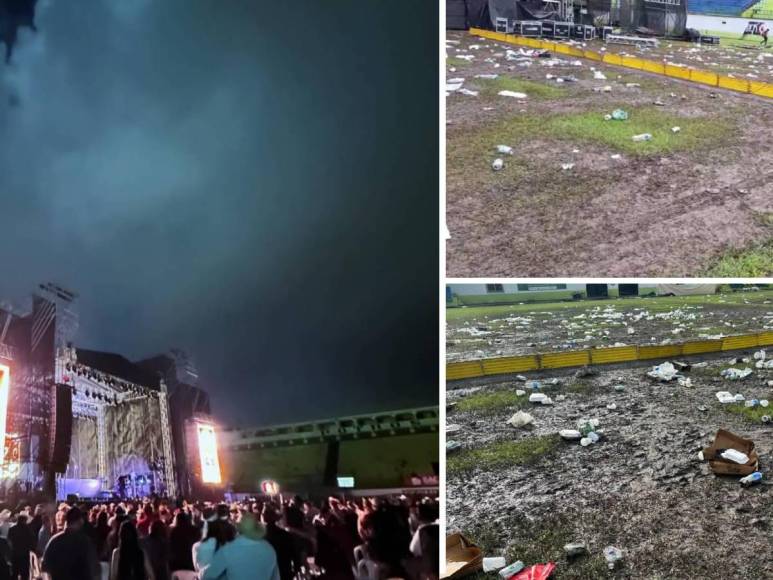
x: 669, y: 207
x: 641, y: 488
x: 474, y: 333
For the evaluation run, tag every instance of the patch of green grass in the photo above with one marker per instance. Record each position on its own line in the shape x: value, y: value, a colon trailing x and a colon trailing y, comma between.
x: 765, y: 218
x: 491, y: 401
x: 753, y: 262
x: 534, y: 90
x: 547, y: 545
x: 457, y: 62
x: 502, y: 454
x: 581, y: 388
x: 752, y: 414
x: 536, y: 542
x: 470, y: 152
x: 591, y: 126
x: 653, y: 304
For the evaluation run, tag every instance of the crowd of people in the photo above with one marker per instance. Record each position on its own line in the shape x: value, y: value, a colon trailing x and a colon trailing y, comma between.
x: 268, y: 538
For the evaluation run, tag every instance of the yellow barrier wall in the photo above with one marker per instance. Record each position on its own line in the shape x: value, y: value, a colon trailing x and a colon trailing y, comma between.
x: 557, y: 360
x: 765, y: 338
x: 576, y: 358
x: 694, y: 75
x: 513, y: 364
x: 706, y: 78
x: 614, y: 354
x: 736, y: 342
x: 700, y: 346
x: 464, y: 370
x: 659, y: 351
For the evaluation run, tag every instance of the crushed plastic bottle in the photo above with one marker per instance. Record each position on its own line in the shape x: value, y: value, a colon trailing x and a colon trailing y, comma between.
x: 619, y: 115
x: 619, y: 388
x: 765, y: 418
x: 587, y: 426
x: 575, y: 549
x: 504, y: 149
x: 751, y: 479
x: 736, y: 374
x: 497, y: 165
x: 512, y: 569
x: 493, y: 564
x: 534, y: 385
x: 642, y: 137
x: 612, y: 555
x: 452, y: 446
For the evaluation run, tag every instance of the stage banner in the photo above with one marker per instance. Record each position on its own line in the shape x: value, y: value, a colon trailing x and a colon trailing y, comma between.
x: 756, y: 28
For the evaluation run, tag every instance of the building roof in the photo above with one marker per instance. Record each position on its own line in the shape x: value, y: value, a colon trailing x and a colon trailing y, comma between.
x: 118, y: 366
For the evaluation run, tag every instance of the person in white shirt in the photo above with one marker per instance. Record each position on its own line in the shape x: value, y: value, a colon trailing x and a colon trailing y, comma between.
x: 218, y: 533
x: 427, y: 516
x: 248, y: 557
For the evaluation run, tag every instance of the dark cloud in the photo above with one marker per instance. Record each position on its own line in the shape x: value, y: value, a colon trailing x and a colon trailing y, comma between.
x: 256, y: 184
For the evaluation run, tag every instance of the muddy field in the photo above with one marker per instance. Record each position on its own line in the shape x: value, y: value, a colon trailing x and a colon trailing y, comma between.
x: 669, y: 206
x: 752, y: 63
x: 476, y: 333
x: 525, y: 493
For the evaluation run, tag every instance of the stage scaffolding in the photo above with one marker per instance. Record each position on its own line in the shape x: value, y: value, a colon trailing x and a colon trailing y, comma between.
x: 96, y: 393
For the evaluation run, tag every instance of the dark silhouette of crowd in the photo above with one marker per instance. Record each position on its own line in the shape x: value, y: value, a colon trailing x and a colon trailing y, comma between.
x: 272, y: 538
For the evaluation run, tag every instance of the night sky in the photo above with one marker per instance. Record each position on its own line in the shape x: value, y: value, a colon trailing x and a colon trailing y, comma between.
x: 254, y: 183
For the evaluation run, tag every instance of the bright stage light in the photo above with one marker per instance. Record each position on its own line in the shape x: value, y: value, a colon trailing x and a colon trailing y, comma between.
x: 269, y: 487
x: 345, y: 481
x: 210, y: 466
x: 5, y: 384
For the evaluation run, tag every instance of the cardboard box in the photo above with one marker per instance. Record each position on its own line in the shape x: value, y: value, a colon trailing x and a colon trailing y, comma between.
x: 727, y: 440
x: 462, y: 557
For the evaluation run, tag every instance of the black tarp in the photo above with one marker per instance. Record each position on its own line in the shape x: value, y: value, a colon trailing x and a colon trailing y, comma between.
x: 456, y: 15
x: 517, y: 10
x: 658, y: 17
x: 463, y: 14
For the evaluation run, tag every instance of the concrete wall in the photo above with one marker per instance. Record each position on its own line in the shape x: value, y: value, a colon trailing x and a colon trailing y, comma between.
x: 374, y: 463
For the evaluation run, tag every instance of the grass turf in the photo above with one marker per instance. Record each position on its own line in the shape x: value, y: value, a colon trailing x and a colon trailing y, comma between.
x: 519, y: 538
x: 492, y: 401
x: 534, y: 90
x: 754, y: 262
x: 501, y: 454
x: 752, y: 414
